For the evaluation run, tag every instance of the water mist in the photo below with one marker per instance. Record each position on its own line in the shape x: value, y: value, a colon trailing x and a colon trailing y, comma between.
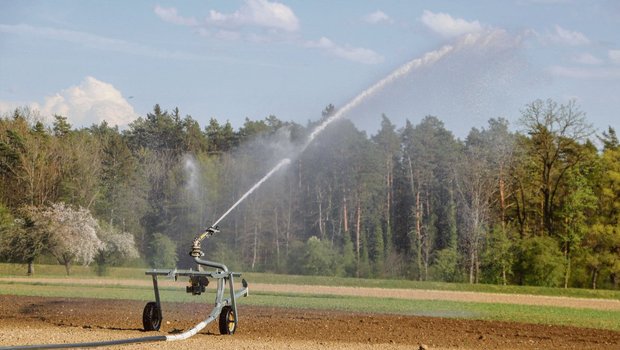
x: 282, y: 163
x: 475, y: 40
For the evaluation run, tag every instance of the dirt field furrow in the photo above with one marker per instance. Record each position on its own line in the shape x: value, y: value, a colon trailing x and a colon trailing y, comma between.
x: 35, y: 320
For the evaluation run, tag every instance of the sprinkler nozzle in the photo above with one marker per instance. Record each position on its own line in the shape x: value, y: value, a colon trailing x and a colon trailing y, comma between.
x: 196, y: 250
x: 212, y: 229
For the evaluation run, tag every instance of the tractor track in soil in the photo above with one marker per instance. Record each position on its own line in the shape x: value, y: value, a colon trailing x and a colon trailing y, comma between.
x: 36, y: 320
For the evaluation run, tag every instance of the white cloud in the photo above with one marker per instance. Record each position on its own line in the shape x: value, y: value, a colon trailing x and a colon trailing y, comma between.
x: 587, y: 58
x: 355, y: 54
x: 614, y: 56
x: 262, y: 21
x: 258, y: 13
x: 448, y: 26
x: 377, y: 17
x: 564, y: 36
x: 90, y: 102
x: 171, y: 15
x: 254, y: 19
x: 93, y: 101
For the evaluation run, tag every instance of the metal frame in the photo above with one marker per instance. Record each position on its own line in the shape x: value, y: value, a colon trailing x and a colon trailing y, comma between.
x: 221, y: 275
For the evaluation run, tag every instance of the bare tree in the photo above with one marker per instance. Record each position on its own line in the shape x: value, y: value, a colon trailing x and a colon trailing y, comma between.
x: 476, y: 189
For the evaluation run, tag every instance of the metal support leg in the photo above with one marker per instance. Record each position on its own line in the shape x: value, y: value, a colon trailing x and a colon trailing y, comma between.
x: 233, y: 299
x: 157, y: 300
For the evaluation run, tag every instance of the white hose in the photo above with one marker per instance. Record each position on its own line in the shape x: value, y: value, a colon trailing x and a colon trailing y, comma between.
x: 197, y: 328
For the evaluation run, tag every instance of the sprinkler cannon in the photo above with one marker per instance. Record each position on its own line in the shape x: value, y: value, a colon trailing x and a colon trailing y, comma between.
x: 196, y: 250
x: 225, y: 309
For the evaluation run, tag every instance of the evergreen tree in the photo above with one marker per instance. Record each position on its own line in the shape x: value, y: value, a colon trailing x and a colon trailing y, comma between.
x: 429, y: 151
x: 377, y: 249
x: 388, y: 143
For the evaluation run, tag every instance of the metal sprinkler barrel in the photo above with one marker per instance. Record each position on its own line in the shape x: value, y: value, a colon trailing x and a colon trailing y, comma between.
x: 196, y: 249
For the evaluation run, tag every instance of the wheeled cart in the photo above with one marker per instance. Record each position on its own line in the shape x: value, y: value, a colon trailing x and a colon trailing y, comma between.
x: 225, y: 309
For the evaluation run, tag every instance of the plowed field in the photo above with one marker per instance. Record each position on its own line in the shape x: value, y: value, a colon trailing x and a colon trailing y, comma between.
x: 36, y: 320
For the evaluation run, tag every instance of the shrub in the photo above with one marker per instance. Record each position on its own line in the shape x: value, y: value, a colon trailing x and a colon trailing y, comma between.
x: 540, y: 262
x: 163, y: 252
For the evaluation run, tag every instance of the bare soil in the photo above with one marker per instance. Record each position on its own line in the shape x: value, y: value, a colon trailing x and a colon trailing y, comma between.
x: 36, y: 320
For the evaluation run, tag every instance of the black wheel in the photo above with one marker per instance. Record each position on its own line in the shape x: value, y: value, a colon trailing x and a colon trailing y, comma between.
x: 151, y: 317
x: 228, y: 320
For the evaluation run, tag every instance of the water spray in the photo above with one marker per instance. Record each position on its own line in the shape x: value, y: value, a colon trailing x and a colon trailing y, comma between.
x: 282, y: 163
x: 427, y: 59
x: 195, y: 252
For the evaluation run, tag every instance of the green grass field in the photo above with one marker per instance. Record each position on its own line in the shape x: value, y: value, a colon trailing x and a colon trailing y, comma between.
x: 58, y: 271
x: 470, y: 310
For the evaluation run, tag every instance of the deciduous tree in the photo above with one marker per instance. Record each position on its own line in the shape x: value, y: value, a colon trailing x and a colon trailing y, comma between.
x: 72, y: 233
x: 556, y: 132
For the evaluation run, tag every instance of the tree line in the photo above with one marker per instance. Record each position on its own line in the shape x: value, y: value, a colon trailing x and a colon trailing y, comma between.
x: 535, y: 206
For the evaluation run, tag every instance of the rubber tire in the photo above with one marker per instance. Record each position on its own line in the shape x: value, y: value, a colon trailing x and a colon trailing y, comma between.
x: 151, y: 317
x: 227, y: 321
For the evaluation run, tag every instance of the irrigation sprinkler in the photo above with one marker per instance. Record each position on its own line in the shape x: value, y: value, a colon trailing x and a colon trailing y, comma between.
x: 225, y: 309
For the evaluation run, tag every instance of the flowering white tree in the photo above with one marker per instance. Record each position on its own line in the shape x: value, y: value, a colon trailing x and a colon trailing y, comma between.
x: 117, y: 246
x: 73, y: 234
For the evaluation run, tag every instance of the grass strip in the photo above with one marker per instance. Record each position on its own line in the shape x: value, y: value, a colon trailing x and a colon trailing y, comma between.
x: 450, y: 309
x: 57, y: 271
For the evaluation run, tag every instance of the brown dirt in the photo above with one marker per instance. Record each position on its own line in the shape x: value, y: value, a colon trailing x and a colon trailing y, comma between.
x: 36, y: 320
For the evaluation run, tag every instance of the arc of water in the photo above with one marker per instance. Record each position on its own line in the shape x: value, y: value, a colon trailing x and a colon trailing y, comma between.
x: 429, y: 58
x: 282, y: 163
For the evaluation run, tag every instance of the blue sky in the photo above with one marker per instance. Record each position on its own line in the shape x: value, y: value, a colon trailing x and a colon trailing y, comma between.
x: 231, y: 60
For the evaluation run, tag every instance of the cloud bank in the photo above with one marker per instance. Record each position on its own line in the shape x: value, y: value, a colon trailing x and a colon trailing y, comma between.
x: 447, y: 26
x: 259, y: 13
x: 262, y: 21
x: 91, y: 102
